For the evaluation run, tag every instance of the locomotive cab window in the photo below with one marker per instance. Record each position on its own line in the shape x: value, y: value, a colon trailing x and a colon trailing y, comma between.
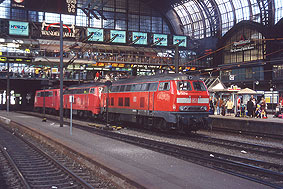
x: 92, y: 90
x: 164, y: 86
x: 184, y: 86
x: 199, y: 86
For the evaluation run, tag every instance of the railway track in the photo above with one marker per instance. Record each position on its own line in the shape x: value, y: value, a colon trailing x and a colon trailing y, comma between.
x: 247, y: 147
x: 34, y: 168
x: 259, y: 171
x: 248, y: 133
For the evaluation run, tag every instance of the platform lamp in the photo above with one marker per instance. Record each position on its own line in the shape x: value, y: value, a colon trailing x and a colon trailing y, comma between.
x: 254, y: 84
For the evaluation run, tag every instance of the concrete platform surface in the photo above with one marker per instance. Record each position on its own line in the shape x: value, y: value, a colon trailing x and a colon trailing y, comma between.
x: 270, y: 126
x: 145, y: 167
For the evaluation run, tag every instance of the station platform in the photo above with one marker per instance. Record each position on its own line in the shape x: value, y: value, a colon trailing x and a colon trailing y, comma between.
x: 143, y: 167
x: 269, y: 127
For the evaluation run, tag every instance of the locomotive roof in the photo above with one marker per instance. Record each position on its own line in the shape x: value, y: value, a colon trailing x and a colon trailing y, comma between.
x: 158, y: 77
x: 94, y: 84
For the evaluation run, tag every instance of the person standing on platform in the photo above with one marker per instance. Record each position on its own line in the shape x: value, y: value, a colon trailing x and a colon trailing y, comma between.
x: 219, y: 106
x: 254, y: 110
x: 250, y: 107
x: 263, y: 108
x: 211, y: 106
x: 97, y: 76
x: 229, y: 106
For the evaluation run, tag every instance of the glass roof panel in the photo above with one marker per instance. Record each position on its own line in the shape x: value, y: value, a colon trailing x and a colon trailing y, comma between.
x: 197, y: 21
x: 278, y: 10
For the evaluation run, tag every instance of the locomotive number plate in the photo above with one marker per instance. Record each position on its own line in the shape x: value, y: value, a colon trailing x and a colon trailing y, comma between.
x: 194, y: 100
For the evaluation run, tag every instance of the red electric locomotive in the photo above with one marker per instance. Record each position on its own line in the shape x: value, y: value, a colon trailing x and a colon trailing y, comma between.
x: 52, y: 100
x: 170, y: 101
x: 86, y: 99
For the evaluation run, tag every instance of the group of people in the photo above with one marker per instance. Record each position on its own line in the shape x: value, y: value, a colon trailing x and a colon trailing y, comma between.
x: 253, y: 108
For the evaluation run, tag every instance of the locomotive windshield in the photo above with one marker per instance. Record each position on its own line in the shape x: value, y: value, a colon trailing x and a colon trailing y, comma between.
x: 184, y: 86
x: 199, y: 86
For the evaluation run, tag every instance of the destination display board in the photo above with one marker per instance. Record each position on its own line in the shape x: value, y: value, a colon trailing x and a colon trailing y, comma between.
x: 117, y: 36
x: 18, y: 28
x: 181, y: 40
x: 160, y: 40
x: 98, y: 34
x: 139, y: 38
x: 55, y: 6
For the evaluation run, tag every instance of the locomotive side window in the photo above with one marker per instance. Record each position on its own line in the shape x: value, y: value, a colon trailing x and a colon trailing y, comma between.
x: 164, y: 86
x: 114, y: 88
x: 144, y: 87
x: 86, y: 91
x: 199, y: 86
x: 184, y: 86
x: 138, y: 87
x: 92, y: 90
x: 122, y: 88
x: 153, y: 86
x: 128, y: 87
x: 127, y: 101
x: 120, y: 102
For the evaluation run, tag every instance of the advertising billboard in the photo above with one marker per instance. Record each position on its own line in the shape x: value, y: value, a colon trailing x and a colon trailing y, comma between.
x: 139, y: 38
x: 182, y: 40
x: 18, y: 28
x: 98, y: 34
x: 160, y: 40
x: 117, y: 36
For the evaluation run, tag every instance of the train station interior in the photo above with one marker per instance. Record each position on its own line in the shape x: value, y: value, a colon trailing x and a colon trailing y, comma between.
x: 161, y: 94
x: 236, y: 42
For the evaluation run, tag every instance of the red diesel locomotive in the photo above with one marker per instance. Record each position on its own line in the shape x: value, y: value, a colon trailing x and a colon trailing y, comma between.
x: 52, y: 100
x: 86, y: 99
x: 164, y: 102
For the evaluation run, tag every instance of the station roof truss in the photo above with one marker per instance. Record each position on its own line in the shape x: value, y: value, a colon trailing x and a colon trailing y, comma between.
x: 206, y: 18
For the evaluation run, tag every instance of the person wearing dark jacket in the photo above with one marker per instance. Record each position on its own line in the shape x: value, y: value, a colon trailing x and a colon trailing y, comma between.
x: 211, y: 106
x: 250, y: 107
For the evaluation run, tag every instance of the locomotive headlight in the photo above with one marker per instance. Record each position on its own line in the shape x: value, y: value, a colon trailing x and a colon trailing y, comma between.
x: 205, y: 108
x: 181, y: 108
x: 174, y: 107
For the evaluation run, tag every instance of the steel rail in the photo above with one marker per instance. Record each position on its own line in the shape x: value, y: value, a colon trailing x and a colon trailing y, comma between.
x: 46, y: 156
x: 12, y: 163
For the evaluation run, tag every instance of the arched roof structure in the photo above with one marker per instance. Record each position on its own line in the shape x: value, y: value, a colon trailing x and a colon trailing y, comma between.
x: 205, y: 18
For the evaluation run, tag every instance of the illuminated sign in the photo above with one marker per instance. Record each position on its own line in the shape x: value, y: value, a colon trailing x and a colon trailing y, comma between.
x: 160, y: 39
x: 139, y: 38
x: 17, y: 3
x: 242, y: 45
x: 97, y: 34
x: 18, y: 28
x: 5, y: 59
x: 53, y: 30
x: 56, y: 6
x: 181, y: 40
x: 118, y: 36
